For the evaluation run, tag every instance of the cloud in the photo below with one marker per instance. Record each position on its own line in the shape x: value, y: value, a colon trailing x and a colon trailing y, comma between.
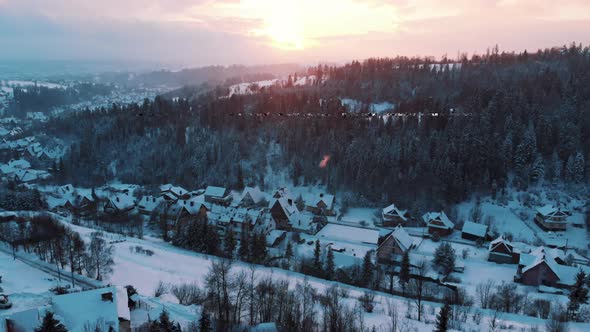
x: 197, y: 32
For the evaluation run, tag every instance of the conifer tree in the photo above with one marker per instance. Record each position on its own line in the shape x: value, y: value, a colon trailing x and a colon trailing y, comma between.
x: 578, y: 295
x: 442, y: 319
x: 244, y: 248
x: 404, y: 273
x: 204, y: 322
x: 229, y: 244
x: 330, y: 265
x: 367, y: 270
x: 317, y: 258
x: 50, y: 324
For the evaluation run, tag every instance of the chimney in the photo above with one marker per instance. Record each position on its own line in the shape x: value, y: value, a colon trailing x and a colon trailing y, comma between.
x: 117, y: 199
x: 290, y: 201
x: 192, y: 203
x: 322, y: 195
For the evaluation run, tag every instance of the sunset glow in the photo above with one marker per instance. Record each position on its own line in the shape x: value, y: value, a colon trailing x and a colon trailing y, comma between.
x: 262, y: 31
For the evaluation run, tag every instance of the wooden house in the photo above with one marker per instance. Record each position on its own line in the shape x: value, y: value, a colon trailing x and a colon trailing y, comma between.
x: 320, y: 204
x: 552, y: 219
x: 503, y: 251
x: 284, y: 212
x: 438, y: 223
x: 395, y: 244
x: 392, y: 216
x: 473, y: 231
x: 119, y: 204
x: 217, y: 195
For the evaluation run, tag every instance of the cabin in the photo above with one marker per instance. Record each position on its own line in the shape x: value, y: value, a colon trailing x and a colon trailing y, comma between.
x: 252, y: 197
x: 85, y: 203
x: 284, y: 212
x: 392, y: 216
x: 550, y: 218
x: 217, y: 195
x: 119, y: 204
x: 474, y: 232
x: 395, y: 244
x: 147, y: 204
x: 503, y: 251
x: 320, y: 204
x: 544, y: 267
x: 438, y: 223
x: 173, y: 193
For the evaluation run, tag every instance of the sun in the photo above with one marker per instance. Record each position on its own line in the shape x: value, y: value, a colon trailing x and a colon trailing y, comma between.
x: 283, y: 25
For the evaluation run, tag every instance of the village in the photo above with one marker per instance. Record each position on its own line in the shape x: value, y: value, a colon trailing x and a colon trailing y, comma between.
x: 297, y: 219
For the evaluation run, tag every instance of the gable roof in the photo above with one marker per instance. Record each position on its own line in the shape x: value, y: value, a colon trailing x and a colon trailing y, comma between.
x: 122, y: 201
x: 176, y: 190
x: 474, y: 229
x: 402, y: 238
x: 549, y: 211
x: 501, y: 241
x: 215, y: 191
x: 438, y: 216
x: 393, y: 210
x: 255, y: 193
x: 315, y: 199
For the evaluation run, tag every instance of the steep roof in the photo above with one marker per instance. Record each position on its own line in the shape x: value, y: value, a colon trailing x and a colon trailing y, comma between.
x: 122, y: 201
x: 500, y: 241
x: 393, y: 210
x: 474, y: 229
x: 315, y: 199
x: 255, y: 193
x: 176, y: 190
x: 548, y: 211
x: 440, y: 216
x: 404, y: 240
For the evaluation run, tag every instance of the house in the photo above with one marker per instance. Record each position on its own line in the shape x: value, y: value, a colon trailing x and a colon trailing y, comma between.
x: 342, y: 233
x: 119, y: 204
x: 217, y: 195
x: 252, y: 197
x: 65, y: 190
x: 281, y: 192
x: 503, y: 251
x: 173, y: 193
x: 239, y: 220
x: 147, y: 204
x: 395, y: 244
x: 438, y: 223
x: 284, y: 211
x: 473, y: 231
x: 320, y: 204
x: 103, y: 307
x: 391, y: 216
x: 551, y: 219
x: 541, y: 267
x: 84, y: 203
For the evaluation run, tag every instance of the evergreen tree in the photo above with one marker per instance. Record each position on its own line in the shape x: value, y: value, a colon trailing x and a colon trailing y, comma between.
x: 164, y: 324
x: 240, y: 178
x: 204, y: 321
x: 330, y: 265
x: 538, y: 169
x: 317, y: 258
x: 258, y: 248
x: 442, y: 319
x: 244, y: 248
x: 444, y: 258
x: 367, y: 271
x: 578, y: 295
x: 229, y: 245
x: 404, y: 273
x: 50, y: 324
x: 289, y: 251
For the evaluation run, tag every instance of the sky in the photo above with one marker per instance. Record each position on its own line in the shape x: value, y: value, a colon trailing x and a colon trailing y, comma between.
x: 204, y: 32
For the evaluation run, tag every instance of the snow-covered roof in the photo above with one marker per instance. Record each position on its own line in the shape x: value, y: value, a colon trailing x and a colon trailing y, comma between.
x: 255, y: 193
x: 474, y: 229
x: 566, y: 274
x: 77, y: 309
x: 315, y: 198
x: 394, y: 211
x: 215, y: 191
x: 149, y: 203
x: 122, y: 201
x: 123, y: 303
x: 499, y: 241
x: 349, y: 234
x: 439, y: 216
x: 176, y: 190
x: 404, y: 240
x: 549, y: 211
x: 14, y: 165
x: 273, y: 236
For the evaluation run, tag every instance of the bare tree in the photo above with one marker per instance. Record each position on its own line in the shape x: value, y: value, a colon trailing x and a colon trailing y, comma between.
x: 417, y: 285
x: 393, y: 316
x: 188, y: 294
x: 101, y: 255
x: 484, y: 292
